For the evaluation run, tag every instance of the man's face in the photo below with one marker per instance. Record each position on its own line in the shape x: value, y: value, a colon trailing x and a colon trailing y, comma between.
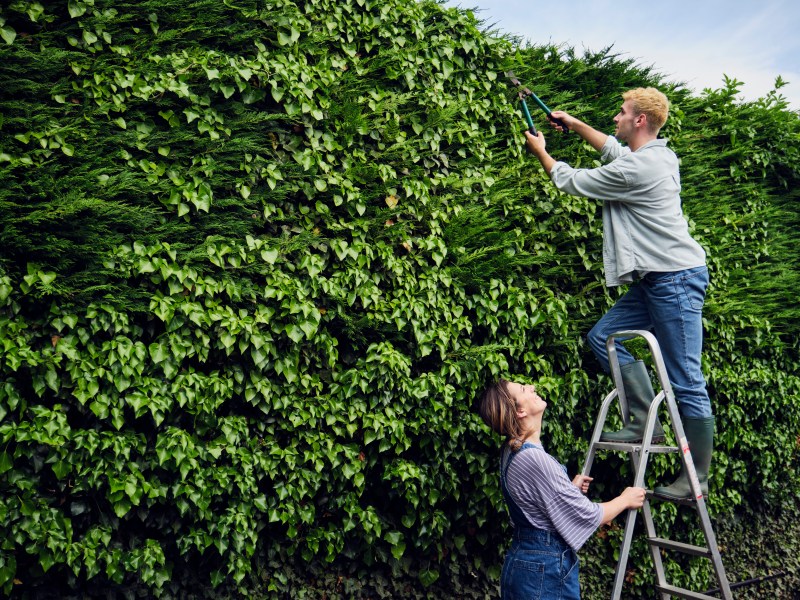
x: 625, y: 121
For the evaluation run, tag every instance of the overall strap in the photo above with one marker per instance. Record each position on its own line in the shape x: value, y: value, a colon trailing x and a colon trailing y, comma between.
x: 516, y: 514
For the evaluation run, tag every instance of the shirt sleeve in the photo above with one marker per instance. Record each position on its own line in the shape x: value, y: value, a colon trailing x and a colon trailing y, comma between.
x: 546, y: 496
x: 612, y: 149
x: 612, y: 181
x: 608, y: 182
x: 574, y: 516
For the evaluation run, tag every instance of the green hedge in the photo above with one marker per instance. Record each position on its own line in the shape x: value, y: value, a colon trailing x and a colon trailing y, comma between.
x: 258, y: 258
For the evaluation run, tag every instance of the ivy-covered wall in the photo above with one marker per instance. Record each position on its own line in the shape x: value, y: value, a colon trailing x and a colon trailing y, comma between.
x: 257, y: 258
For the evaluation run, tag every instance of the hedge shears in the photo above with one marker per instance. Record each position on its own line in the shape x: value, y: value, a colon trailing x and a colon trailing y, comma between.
x: 523, y: 93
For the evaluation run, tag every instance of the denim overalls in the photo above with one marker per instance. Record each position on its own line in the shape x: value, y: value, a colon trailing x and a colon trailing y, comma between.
x: 539, y: 565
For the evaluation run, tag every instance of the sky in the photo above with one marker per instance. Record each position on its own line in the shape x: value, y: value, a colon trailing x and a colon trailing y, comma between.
x: 696, y: 43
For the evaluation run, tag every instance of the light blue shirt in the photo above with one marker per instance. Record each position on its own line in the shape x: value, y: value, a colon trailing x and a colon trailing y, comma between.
x: 643, y: 226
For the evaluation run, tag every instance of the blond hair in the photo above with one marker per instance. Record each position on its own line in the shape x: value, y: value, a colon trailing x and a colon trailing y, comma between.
x: 649, y: 102
x: 499, y: 411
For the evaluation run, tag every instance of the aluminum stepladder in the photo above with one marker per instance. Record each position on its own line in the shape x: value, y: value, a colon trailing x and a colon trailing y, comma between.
x: 640, y: 453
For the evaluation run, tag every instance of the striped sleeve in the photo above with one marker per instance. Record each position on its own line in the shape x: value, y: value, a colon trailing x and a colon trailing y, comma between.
x: 541, y: 489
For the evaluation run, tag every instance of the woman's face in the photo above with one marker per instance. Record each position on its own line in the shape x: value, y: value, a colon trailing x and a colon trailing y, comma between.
x: 526, y: 398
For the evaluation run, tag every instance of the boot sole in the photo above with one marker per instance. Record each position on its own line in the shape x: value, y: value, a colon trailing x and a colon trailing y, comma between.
x: 689, y: 498
x: 656, y: 440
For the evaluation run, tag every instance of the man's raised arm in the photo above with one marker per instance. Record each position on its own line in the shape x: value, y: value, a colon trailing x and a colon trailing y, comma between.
x: 595, y: 138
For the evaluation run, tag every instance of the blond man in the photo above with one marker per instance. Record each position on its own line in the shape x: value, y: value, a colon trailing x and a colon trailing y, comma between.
x: 646, y: 244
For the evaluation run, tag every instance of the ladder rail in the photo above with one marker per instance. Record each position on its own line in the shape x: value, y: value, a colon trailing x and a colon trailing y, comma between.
x: 711, y: 541
x: 598, y: 431
x: 622, y: 563
x: 640, y: 468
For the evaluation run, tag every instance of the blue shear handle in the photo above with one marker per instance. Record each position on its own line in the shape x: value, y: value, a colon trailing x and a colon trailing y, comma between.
x: 527, y: 113
x: 547, y: 111
x: 541, y: 104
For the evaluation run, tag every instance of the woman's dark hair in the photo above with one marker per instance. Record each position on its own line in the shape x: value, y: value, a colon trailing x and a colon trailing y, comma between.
x: 499, y: 411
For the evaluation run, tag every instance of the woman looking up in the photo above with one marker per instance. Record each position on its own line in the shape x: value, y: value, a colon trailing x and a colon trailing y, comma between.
x: 551, y: 516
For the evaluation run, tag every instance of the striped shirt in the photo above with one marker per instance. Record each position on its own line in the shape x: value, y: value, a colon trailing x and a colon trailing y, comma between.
x: 539, y: 486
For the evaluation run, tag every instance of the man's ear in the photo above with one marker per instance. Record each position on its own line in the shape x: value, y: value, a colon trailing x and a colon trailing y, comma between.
x: 641, y: 120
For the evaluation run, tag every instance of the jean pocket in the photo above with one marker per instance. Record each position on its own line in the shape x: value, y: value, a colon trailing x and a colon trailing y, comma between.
x: 694, y: 287
x: 569, y: 562
x: 663, y: 287
x: 525, y: 580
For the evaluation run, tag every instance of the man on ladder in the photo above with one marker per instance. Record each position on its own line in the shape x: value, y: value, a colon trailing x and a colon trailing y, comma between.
x: 646, y: 243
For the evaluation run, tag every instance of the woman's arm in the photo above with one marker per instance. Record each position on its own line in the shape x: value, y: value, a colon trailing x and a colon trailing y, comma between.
x: 632, y: 497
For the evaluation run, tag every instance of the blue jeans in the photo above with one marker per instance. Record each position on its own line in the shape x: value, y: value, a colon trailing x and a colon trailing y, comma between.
x: 539, y: 566
x: 671, y: 306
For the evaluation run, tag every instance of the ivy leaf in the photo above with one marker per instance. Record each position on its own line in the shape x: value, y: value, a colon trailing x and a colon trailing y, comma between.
x: 428, y: 576
x: 47, y: 278
x: 398, y: 550
x: 295, y: 333
x: 46, y: 560
x: 5, y: 462
x: 158, y: 353
x: 51, y: 377
x: 8, y: 34
x: 277, y: 92
x: 251, y: 95
x: 35, y: 10
x: 286, y: 39
x: 122, y: 507
x: 309, y: 328
x: 61, y: 469
x: 269, y: 255
x: 447, y: 69
x: 76, y: 9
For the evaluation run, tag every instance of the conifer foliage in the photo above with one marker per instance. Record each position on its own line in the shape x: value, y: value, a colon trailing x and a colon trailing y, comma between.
x: 258, y: 257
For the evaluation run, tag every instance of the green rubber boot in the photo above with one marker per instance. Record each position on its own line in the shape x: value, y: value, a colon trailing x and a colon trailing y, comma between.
x: 639, y: 393
x: 700, y: 435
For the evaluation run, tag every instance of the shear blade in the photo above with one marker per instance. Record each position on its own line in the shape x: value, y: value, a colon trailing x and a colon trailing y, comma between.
x: 512, y: 77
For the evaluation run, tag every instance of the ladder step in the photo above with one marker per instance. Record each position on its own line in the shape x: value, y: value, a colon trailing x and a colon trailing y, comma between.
x: 679, y: 547
x: 637, y: 447
x: 684, y: 593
